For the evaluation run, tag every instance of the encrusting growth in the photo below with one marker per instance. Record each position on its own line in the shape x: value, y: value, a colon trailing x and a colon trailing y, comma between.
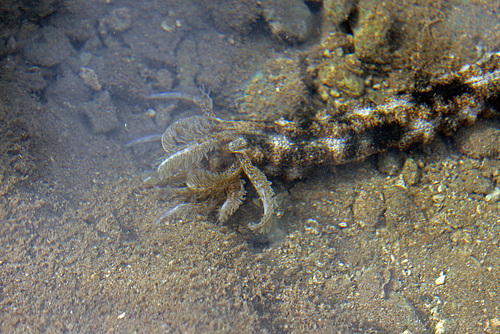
x: 209, y: 157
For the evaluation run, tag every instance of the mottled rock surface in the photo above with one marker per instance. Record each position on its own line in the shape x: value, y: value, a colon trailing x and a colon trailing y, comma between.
x: 289, y: 20
x: 101, y: 113
x: 479, y: 141
x: 48, y: 47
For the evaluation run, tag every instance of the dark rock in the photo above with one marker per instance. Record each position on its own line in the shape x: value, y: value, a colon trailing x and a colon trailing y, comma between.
x: 48, y: 47
x: 69, y: 88
x: 101, y: 113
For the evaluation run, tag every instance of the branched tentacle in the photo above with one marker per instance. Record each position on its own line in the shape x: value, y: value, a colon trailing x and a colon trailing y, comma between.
x: 183, y: 161
x: 184, y: 132
x: 260, y: 182
x: 235, y: 197
x: 202, y: 181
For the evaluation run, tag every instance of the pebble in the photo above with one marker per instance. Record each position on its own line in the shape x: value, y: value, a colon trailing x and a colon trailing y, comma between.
x: 390, y: 162
x: 411, y: 173
x: 165, y: 25
x: 493, y: 197
x: 151, y: 113
x: 440, y: 327
x: 343, y: 225
x: 90, y: 78
x: 479, y: 141
x: 476, y: 183
x: 289, y: 20
x: 372, y: 31
x: 120, y: 19
x: 441, y: 279
x: 438, y: 198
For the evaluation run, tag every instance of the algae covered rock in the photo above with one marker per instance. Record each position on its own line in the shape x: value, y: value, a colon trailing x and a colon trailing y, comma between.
x: 336, y: 11
x: 340, y: 76
x: 274, y: 92
x: 371, y: 32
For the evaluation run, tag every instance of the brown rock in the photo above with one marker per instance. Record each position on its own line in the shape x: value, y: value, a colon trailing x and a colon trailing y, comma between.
x: 48, y: 47
x: 368, y: 208
x: 480, y: 140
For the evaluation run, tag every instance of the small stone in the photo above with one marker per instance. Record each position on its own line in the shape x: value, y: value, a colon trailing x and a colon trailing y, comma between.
x: 401, y: 212
x: 411, y: 173
x: 312, y: 227
x: 289, y: 20
x: 440, y: 327
x: 151, y: 113
x: 120, y: 19
x: 69, y: 88
x: 476, y: 183
x: 480, y: 140
x: 493, y: 197
x: 370, y: 35
x: 461, y: 237
x: 164, y: 79
x: 390, y: 162
x: 90, y: 78
x: 167, y: 26
x: 438, y: 198
x: 151, y: 181
x: 495, y: 322
x: 441, y: 279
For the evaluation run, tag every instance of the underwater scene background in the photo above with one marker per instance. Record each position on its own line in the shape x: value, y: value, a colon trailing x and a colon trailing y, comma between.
x: 273, y: 166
